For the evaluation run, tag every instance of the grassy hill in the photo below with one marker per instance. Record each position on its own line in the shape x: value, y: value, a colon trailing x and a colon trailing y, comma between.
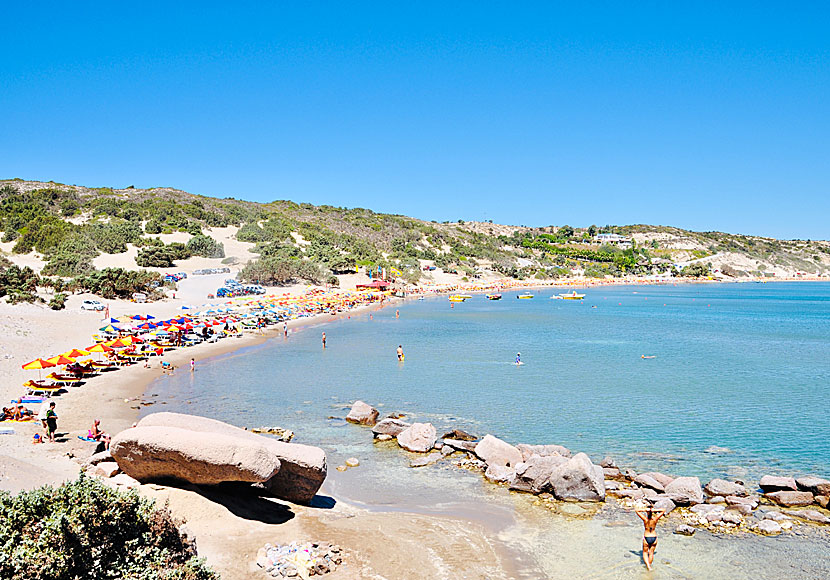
x: 69, y: 226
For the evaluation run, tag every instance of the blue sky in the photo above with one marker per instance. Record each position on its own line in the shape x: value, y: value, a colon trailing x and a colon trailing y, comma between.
x: 696, y: 115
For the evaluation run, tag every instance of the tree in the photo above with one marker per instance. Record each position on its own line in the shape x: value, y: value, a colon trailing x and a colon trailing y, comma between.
x: 205, y: 246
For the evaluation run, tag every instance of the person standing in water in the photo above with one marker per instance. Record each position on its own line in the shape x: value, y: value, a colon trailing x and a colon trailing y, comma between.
x: 397, y: 314
x: 192, y: 365
x: 324, y: 340
x: 285, y: 329
x: 650, y: 516
x: 518, y: 358
x: 400, y: 352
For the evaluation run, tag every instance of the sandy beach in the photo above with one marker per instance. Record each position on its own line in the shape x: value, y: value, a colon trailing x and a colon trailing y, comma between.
x: 229, y: 526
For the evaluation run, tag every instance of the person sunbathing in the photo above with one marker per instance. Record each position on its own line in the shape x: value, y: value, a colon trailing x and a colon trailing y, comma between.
x: 21, y: 413
x: 7, y: 415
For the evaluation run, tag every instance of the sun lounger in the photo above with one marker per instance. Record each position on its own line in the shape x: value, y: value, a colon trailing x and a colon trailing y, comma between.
x: 64, y: 379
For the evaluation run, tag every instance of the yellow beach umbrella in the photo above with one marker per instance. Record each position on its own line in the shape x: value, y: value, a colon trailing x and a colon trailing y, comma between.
x: 37, y: 365
x: 75, y: 353
x: 60, y: 360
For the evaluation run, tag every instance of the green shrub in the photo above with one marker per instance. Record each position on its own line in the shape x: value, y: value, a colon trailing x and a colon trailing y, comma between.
x: 84, y: 529
x: 117, y: 282
x: 112, y: 238
x: 19, y: 284
x: 58, y: 301
x: 252, y: 233
x: 277, y: 271
x: 205, y: 246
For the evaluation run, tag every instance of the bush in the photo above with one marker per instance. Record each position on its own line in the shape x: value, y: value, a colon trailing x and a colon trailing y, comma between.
x: 58, y: 301
x: 19, y: 284
x: 277, y: 271
x: 252, y: 233
x: 117, y: 282
x: 112, y: 238
x: 205, y: 246
x: 84, y: 529
x: 161, y: 256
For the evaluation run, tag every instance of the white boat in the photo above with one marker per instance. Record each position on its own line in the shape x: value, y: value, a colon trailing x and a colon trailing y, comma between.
x: 569, y: 296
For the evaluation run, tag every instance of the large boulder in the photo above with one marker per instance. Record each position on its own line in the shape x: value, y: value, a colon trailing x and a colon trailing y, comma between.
x: 459, y: 445
x: 391, y: 427
x: 533, y: 475
x: 153, y: 453
x: 418, y: 437
x: 529, y: 451
x: 459, y: 435
x: 494, y: 451
x: 578, y: 480
x: 645, y: 480
x: 661, y: 477
x: 362, y: 414
x: 724, y: 488
x: 499, y: 474
x: 791, y: 498
x: 774, y: 483
x: 303, y: 467
x: 813, y: 484
x: 685, y: 491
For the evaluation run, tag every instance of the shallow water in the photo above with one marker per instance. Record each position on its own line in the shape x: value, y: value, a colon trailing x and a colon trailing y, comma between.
x: 741, y: 366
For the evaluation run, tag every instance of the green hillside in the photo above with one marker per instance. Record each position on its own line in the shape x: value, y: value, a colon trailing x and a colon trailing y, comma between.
x: 70, y: 225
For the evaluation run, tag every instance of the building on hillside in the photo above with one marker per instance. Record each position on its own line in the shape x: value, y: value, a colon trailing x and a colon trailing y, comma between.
x: 612, y: 239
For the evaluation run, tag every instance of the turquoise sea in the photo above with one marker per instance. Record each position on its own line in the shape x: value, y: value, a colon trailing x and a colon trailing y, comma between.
x: 744, y: 367
x: 741, y: 367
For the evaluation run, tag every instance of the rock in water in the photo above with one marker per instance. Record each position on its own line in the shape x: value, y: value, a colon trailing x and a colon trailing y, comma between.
x: 774, y: 483
x: 459, y: 435
x: 685, y: 491
x: 529, y: 451
x: 791, y: 498
x: 418, y: 437
x: 352, y: 462
x: 152, y: 453
x: 533, y: 475
x: 391, y: 427
x: 303, y: 467
x: 645, y: 480
x: 664, y: 504
x: 499, y: 474
x: 724, y: 488
x: 494, y: 451
x: 768, y: 527
x: 362, y: 414
x: 425, y: 460
x: 661, y: 477
x: 578, y: 480
x: 813, y: 484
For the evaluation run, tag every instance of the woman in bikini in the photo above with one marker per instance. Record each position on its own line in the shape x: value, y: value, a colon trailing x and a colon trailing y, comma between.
x: 650, y: 516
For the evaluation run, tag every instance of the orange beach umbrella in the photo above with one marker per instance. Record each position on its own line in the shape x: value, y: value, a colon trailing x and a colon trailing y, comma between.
x: 38, y: 364
x: 75, y: 353
x: 100, y: 347
x: 60, y: 360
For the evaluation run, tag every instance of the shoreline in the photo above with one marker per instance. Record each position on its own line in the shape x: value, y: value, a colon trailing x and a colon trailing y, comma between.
x: 107, y: 398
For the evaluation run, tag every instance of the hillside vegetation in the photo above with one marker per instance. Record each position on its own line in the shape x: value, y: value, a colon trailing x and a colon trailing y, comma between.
x: 70, y: 225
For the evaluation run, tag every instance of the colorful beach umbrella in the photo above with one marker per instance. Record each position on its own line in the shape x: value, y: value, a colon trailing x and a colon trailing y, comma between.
x: 75, y: 353
x: 101, y: 347
x: 60, y: 360
x: 38, y: 364
x: 110, y: 328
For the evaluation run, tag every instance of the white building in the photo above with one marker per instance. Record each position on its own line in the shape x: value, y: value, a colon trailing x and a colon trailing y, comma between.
x: 612, y: 239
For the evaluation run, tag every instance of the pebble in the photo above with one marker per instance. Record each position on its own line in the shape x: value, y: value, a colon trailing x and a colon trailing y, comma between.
x: 352, y: 462
x: 341, y: 468
x: 299, y: 560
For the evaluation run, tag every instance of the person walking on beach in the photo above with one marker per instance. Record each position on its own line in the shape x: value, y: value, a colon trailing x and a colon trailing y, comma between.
x: 400, y: 352
x: 324, y: 340
x: 650, y: 516
x: 51, y: 422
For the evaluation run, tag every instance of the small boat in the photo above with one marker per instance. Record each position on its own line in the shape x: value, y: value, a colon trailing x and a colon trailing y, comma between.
x: 456, y: 298
x: 493, y: 296
x: 569, y: 296
x: 525, y: 296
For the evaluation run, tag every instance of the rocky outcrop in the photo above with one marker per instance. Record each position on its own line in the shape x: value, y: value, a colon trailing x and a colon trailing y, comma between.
x: 813, y: 484
x: 660, y: 477
x: 362, y: 414
x: 791, y: 498
x: 533, y: 475
x: 156, y: 453
x: 391, y: 427
x: 303, y: 467
x: 499, y: 474
x: 459, y: 435
x: 578, y: 480
x: 645, y: 480
x: 418, y: 437
x: 458, y: 445
x: 529, y: 451
x: 771, y: 483
x: 494, y: 451
x: 814, y: 516
x: 724, y: 488
x: 685, y: 491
